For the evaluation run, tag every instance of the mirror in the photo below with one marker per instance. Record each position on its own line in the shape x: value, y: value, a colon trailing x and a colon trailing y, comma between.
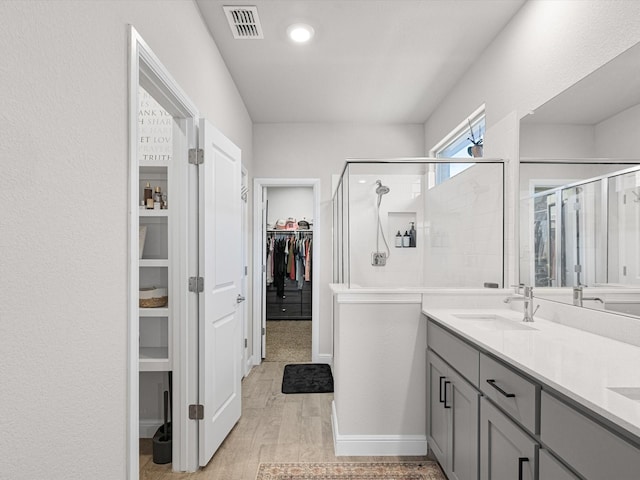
x: 580, y: 190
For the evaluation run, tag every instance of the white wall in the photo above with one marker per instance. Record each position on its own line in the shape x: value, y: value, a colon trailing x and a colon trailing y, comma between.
x: 319, y: 151
x: 543, y: 140
x: 617, y: 137
x: 63, y: 221
x: 285, y: 202
x: 548, y: 46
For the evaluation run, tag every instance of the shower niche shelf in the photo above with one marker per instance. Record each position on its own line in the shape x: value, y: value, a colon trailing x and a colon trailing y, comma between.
x: 401, y: 222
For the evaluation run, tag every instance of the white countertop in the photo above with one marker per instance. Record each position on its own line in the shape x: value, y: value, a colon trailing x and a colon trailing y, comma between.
x: 578, y: 364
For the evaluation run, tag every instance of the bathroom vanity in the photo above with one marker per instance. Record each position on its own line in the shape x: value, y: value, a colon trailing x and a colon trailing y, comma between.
x: 491, y: 397
x: 529, y: 400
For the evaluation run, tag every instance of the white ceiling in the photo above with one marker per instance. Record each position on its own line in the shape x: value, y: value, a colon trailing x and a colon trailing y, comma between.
x: 373, y: 61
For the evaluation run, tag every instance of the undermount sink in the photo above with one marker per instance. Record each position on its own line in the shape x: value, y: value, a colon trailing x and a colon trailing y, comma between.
x: 491, y: 321
x: 632, y: 393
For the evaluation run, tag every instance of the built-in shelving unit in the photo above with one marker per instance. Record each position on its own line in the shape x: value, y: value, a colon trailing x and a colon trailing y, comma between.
x: 155, y: 270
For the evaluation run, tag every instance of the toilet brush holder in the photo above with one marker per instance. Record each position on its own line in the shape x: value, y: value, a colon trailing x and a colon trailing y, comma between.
x: 162, y: 438
x: 162, y: 446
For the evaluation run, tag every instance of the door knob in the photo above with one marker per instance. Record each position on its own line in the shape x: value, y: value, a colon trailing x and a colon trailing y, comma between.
x: 240, y: 299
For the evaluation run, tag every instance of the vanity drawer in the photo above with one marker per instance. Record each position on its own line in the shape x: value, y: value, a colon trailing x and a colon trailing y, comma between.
x: 460, y: 355
x: 513, y: 393
x: 592, y: 450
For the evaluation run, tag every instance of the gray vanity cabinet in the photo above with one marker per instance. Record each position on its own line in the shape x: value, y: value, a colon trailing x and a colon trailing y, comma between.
x: 452, y: 420
x: 437, y: 415
x: 593, y: 451
x: 453, y: 409
x: 507, y: 452
x: 463, y: 444
x: 488, y: 419
x: 552, y: 469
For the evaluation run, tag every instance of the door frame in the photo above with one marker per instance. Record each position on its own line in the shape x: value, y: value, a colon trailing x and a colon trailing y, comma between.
x: 244, y: 283
x: 145, y: 66
x: 259, y: 239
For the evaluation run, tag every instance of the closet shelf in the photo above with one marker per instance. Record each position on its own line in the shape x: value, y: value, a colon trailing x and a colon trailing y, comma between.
x: 154, y: 213
x: 154, y: 359
x: 154, y: 262
x: 154, y: 312
x: 271, y: 230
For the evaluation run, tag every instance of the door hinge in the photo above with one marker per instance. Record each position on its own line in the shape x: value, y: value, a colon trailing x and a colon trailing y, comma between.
x: 196, y: 284
x: 196, y: 156
x: 263, y: 332
x: 196, y: 412
x: 246, y: 270
x: 624, y: 270
x: 246, y: 343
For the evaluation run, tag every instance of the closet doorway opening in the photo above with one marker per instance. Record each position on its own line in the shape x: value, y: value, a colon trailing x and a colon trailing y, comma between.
x: 286, y: 279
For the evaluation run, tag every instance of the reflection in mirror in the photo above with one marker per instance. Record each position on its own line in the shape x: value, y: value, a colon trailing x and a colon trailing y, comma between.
x: 579, y: 223
x: 562, y: 234
x: 584, y: 234
x: 624, y: 228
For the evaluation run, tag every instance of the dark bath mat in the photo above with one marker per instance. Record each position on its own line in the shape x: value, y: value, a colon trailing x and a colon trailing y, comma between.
x: 307, y: 378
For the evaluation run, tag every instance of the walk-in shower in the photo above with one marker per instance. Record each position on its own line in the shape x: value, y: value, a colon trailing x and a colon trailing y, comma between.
x: 442, y: 225
x: 378, y: 258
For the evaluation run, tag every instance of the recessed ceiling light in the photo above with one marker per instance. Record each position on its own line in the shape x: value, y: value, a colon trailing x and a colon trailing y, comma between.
x: 300, y: 32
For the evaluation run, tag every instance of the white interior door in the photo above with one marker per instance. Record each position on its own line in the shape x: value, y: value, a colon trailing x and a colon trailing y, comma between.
x: 220, y: 267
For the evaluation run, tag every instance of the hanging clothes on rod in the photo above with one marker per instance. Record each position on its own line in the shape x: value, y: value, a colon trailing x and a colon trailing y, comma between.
x: 288, y: 256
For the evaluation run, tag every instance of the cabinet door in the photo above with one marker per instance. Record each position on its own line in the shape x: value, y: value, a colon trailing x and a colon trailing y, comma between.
x: 506, y: 452
x: 465, y: 406
x: 551, y: 469
x: 437, y: 428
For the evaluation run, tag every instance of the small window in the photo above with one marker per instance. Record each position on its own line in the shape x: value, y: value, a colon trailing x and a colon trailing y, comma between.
x: 458, y: 145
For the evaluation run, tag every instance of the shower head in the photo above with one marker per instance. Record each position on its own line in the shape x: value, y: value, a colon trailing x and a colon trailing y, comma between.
x: 381, y: 189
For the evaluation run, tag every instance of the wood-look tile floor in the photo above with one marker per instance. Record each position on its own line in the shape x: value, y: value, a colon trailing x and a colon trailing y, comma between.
x: 273, y: 428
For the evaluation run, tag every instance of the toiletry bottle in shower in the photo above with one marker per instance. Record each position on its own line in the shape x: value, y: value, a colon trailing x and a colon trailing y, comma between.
x: 398, y: 239
x: 412, y: 235
x: 406, y: 239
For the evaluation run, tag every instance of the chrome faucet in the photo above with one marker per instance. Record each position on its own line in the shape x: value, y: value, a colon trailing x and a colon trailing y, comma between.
x: 578, y: 296
x: 527, y: 298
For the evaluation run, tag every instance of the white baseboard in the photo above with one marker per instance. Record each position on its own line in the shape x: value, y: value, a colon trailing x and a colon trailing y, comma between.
x: 324, y: 358
x: 375, y: 445
x: 148, y: 428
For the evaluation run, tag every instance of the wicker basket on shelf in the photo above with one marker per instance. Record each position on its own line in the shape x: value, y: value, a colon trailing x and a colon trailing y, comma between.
x: 153, y: 297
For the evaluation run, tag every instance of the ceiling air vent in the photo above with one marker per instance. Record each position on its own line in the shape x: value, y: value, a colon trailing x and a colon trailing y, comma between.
x: 244, y: 22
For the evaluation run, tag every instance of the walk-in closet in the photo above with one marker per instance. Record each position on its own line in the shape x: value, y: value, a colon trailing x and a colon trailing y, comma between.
x: 288, y: 281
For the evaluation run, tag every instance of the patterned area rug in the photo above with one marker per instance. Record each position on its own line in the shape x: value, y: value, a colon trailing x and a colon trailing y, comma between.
x: 350, y: 471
